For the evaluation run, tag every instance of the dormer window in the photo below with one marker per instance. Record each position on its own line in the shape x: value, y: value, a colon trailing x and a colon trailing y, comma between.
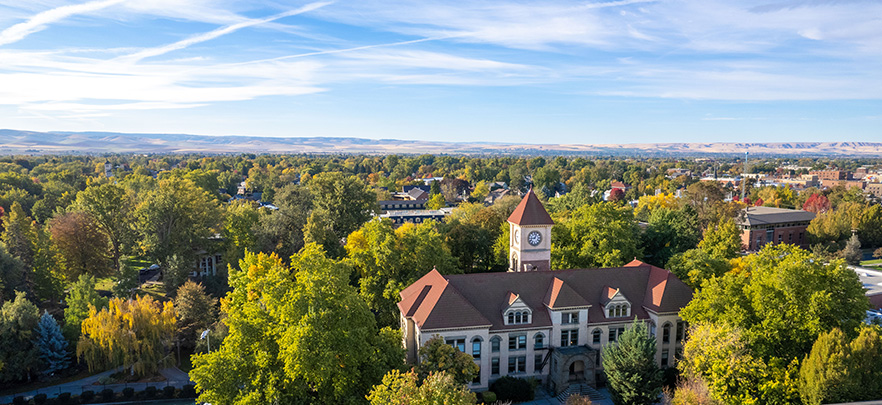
x: 619, y: 310
x: 518, y: 317
x: 569, y: 317
x: 515, y: 311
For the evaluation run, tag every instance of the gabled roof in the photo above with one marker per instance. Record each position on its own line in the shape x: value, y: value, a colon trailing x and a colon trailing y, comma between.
x: 473, y: 300
x: 530, y: 212
x: 609, y: 293
x: 560, y: 295
x: 420, y: 300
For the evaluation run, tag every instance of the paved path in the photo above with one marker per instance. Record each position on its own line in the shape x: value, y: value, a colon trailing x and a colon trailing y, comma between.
x: 174, y: 377
x: 543, y: 397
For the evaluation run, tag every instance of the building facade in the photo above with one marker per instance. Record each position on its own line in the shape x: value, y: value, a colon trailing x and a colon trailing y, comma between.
x: 533, y: 322
x: 761, y: 225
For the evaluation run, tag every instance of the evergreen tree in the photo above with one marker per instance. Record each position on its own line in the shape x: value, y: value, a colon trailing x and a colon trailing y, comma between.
x: 52, y: 345
x: 18, y: 354
x: 852, y: 252
x: 633, y: 375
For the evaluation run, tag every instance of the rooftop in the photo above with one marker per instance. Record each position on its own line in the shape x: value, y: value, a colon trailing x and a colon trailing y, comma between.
x: 771, y: 215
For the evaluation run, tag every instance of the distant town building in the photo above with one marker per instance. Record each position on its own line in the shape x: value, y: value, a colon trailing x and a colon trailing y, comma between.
x: 761, y: 225
x: 831, y: 174
x: 416, y: 216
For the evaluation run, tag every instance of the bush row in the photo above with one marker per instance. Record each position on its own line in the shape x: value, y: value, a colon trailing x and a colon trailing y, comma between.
x: 107, y: 395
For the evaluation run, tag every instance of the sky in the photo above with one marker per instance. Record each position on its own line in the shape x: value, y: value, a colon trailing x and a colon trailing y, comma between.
x: 547, y: 71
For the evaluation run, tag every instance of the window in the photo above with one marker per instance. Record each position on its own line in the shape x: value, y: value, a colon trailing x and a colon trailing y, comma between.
x: 458, y: 343
x: 666, y: 333
x: 537, y: 363
x: 618, y: 310
x: 595, y: 336
x: 681, y: 330
x: 494, y: 344
x: 511, y: 319
x: 517, y: 317
x: 517, y: 342
x: 612, y: 312
x: 652, y: 329
x: 517, y: 364
x: 614, y: 333
x: 790, y: 237
x: 539, y: 341
x: 664, y: 358
x: 494, y: 366
x: 569, y: 337
x: 570, y: 317
x: 476, y: 348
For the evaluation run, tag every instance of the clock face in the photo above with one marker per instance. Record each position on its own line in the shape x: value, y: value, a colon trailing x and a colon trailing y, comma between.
x: 534, y: 238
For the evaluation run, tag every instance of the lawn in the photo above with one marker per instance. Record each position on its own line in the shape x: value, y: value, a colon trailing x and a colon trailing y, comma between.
x: 875, y: 262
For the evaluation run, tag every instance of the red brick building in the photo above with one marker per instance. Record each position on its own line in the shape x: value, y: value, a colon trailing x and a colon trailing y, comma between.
x: 761, y: 225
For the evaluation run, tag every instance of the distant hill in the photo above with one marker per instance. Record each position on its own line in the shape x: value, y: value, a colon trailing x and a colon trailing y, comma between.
x: 19, y: 142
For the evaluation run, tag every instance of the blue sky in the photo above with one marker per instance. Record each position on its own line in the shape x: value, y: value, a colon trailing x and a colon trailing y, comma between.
x: 549, y: 71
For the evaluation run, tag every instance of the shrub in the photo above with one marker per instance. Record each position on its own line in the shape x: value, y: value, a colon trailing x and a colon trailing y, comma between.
x: 128, y: 392
x: 169, y: 391
x: 577, y: 399
x: 87, y: 396
x: 40, y: 399
x: 64, y: 398
x: 107, y: 395
x: 150, y: 392
x: 189, y: 391
x: 512, y: 389
x: 488, y: 397
x: 18, y: 401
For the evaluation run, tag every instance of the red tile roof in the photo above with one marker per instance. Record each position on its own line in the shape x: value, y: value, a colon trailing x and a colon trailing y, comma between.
x: 471, y: 300
x: 530, y: 212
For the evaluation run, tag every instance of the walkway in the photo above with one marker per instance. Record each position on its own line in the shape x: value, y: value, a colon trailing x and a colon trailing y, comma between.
x: 174, y: 377
x: 543, y: 397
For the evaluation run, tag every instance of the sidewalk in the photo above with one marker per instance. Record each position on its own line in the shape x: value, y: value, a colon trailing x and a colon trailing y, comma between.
x: 174, y: 377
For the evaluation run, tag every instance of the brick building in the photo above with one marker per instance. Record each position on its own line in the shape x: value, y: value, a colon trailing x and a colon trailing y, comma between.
x: 761, y: 225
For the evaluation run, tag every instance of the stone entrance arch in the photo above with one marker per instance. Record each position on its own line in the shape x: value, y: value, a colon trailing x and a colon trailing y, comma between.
x: 572, y: 365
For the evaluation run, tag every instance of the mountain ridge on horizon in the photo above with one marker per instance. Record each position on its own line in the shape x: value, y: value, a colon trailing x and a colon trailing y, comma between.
x: 20, y: 141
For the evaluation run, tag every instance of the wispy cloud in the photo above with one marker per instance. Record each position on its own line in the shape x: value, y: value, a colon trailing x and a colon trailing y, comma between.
x: 38, y: 22
x: 150, y: 52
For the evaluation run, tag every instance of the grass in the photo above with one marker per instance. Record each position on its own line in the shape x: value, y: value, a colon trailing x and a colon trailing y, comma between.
x: 104, y: 283
x: 157, y: 291
x: 871, y: 262
x: 138, y: 263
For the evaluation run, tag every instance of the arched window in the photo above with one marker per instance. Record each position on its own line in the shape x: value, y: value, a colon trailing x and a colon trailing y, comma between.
x: 526, y: 318
x: 476, y: 347
x: 627, y: 310
x: 666, y: 332
x: 595, y: 336
x: 510, y: 318
x: 651, y: 328
x: 514, y: 261
x: 612, y: 312
x: 539, y: 341
x: 495, y: 341
x: 517, y: 317
x: 618, y: 310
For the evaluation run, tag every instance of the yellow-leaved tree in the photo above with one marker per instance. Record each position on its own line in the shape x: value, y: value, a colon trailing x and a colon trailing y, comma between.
x: 134, y: 333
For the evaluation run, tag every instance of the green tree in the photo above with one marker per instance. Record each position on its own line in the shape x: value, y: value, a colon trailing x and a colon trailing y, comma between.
x: 722, y: 239
x: 670, y: 231
x: 12, y: 273
x: 18, y: 354
x: 52, y: 345
x: 599, y: 235
x: 111, y: 207
x: 240, y: 219
x: 630, y: 367
x: 341, y: 205
x: 173, y: 221
x: 403, y: 389
x: 852, y: 252
x: 782, y: 298
x: 824, y: 377
x: 436, y: 201
x: 437, y: 356
x: 80, y: 297
x: 387, y: 260
x: 297, y: 334
x: 281, y: 231
x: 695, y: 266
x: 133, y: 333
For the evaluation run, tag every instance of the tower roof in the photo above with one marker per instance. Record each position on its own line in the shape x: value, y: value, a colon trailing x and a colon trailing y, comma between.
x: 530, y: 212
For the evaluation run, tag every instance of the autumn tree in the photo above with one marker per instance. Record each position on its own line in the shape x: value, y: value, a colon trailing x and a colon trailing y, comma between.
x: 702, y: 196
x: 195, y: 310
x: 239, y: 220
x: 136, y: 334
x: 436, y: 201
x: 296, y: 333
x: 599, y: 235
x: 722, y: 239
x: 817, y: 203
x: 438, y: 356
x: 824, y: 376
x: 400, y: 388
x: 82, y: 247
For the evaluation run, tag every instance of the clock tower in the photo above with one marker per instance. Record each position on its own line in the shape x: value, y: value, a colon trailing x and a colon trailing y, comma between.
x: 530, y: 236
